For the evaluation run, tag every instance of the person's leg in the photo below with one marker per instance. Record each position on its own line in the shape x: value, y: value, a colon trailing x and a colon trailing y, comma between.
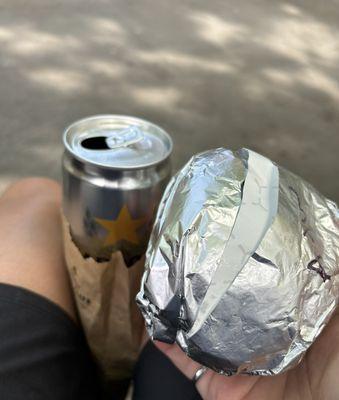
x: 42, y: 351
x: 30, y: 240
x: 155, y: 378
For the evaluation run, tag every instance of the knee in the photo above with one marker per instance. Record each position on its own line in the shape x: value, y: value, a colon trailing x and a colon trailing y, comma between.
x: 34, y: 189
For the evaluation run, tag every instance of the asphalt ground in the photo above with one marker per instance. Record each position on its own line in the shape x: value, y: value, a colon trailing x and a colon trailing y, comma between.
x: 261, y: 74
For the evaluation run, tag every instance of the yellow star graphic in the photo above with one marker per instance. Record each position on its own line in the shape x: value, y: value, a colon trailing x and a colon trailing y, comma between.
x: 122, y: 228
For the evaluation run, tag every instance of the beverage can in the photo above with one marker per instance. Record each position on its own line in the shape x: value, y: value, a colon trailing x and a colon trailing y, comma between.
x: 115, y: 169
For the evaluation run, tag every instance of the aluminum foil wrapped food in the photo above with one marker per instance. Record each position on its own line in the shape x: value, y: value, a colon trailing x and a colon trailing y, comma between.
x: 242, y: 265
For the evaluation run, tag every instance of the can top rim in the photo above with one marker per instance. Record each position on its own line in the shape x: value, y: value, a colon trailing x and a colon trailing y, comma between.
x: 133, y: 120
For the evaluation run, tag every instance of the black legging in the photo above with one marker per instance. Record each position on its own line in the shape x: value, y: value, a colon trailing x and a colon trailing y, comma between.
x: 156, y: 378
x: 44, y: 356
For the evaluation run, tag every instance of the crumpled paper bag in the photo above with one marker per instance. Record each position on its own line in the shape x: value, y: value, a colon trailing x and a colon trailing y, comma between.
x: 105, y: 297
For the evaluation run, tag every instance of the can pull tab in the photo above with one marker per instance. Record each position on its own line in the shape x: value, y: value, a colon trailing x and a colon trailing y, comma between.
x: 125, y: 137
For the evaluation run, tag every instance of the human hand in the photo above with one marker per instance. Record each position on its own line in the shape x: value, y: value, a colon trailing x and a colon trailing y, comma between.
x: 315, y: 378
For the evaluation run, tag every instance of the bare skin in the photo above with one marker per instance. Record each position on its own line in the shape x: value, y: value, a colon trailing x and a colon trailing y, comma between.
x: 31, y: 254
x: 315, y: 378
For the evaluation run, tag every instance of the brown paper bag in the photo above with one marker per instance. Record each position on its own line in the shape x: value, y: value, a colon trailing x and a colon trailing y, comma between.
x: 105, y: 297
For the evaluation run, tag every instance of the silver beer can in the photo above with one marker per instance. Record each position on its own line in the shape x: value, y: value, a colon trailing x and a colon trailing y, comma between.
x: 115, y: 169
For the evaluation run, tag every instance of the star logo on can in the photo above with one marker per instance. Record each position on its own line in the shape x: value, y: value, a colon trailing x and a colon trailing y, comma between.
x: 122, y: 228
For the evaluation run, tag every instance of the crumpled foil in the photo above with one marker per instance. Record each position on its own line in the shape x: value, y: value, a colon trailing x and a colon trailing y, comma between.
x: 242, y: 264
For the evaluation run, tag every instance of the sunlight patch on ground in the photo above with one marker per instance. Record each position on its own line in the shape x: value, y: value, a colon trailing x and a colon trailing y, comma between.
x: 291, y: 9
x: 307, y: 45
x: 183, y: 60
x: 62, y: 80
x: 215, y: 30
x: 312, y: 45
x: 278, y: 76
x: 105, y: 25
x: 5, y: 34
x: 307, y: 77
x: 105, y: 31
x: 321, y: 81
x: 304, y: 40
x: 158, y: 97
x: 25, y: 41
x: 106, y: 69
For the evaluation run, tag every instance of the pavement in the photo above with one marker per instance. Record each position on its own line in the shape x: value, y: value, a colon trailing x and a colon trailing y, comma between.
x: 261, y: 74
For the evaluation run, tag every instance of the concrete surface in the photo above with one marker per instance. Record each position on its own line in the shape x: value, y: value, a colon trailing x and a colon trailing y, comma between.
x: 262, y: 74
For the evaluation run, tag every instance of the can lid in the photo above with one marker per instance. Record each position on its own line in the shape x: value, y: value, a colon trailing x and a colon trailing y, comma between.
x: 117, y: 141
